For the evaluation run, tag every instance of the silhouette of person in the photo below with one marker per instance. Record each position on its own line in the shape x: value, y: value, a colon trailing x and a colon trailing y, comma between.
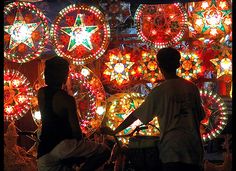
x: 61, y: 136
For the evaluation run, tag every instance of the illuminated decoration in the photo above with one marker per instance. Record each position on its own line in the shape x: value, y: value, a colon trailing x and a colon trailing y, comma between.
x: 118, y: 67
x: 80, y: 33
x: 212, y: 17
x: 149, y: 67
x: 216, y: 115
x: 189, y: 65
x: 119, y: 106
x: 36, y: 115
x: 17, y: 95
x: 223, y: 64
x: 26, y: 32
x: 90, y: 98
x: 161, y: 25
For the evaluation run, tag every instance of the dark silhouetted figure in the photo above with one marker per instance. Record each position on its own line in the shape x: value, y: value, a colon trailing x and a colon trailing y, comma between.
x: 61, y: 136
x: 177, y: 103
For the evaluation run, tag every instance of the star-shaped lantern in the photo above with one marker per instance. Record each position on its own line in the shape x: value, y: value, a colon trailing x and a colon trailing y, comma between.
x: 189, y: 65
x: 79, y: 34
x: 20, y: 31
x: 149, y: 67
x: 119, y: 107
x: 26, y: 32
x: 119, y: 67
x: 212, y: 17
x: 223, y: 64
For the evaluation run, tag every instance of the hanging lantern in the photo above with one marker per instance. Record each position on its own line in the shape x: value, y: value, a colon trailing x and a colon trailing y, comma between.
x: 119, y: 106
x: 17, y: 95
x: 80, y: 33
x: 189, y: 66
x: 90, y: 98
x: 25, y: 32
x: 161, y: 25
x: 118, y: 66
x: 149, y: 67
x: 223, y: 64
x: 216, y: 115
x: 212, y: 18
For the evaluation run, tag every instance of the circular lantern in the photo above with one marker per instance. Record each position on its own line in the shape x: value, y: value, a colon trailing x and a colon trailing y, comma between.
x: 119, y: 106
x: 216, y: 115
x: 25, y: 32
x: 212, y: 18
x: 149, y: 67
x: 189, y: 65
x: 90, y: 98
x: 80, y: 33
x: 161, y: 25
x: 17, y: 95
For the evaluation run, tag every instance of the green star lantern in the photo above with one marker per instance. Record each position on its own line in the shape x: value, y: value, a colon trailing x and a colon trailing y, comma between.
x: 80, y: 33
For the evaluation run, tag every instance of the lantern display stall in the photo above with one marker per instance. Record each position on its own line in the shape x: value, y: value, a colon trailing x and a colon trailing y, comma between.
x: 111, y: 48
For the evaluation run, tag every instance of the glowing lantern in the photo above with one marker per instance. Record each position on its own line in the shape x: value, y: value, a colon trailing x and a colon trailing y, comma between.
x: 161, y: 25
x: 17, y: 95
x: 118, y: 67
x: 148, y: 66
x: 189, y: 66
x: 24, y: 40
x: 223, y: 64
x: 212, y: 17
x: 90, y: 96
x: 119, y: 106
x: 216, y: 115
x: 82, y: 38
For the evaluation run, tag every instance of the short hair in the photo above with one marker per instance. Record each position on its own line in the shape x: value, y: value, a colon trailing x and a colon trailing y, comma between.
x: 56, y: 71
x: 168, y: 59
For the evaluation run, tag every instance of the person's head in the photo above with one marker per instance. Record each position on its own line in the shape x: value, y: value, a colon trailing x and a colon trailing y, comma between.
x: 168, y: 59
x: 56, y: 71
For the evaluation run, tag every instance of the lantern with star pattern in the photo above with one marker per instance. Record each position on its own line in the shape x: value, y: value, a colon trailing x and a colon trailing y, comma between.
x: 25, y: 32
x: 216, y: 115
x: 17, y: 95
x: 189, y: 65
x: 80, y: 33
x: 149, y: 67
x: 211, y: 18
x: 161, y: 25
x: 90, y: 97
x: 223, y: 64
x: 119, y: 106
x: 118, y: 66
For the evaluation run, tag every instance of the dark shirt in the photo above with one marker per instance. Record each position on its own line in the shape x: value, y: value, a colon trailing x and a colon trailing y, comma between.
x: 55, y: 127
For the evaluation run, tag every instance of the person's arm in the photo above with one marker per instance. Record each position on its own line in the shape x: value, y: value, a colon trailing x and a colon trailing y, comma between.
x: 127, y: 122
x: 145, y: 113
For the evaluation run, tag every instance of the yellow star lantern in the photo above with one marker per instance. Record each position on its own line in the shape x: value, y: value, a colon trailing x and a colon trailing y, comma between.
x: 212, y: 17
x: 189, y: 65
x: 119, y: 67
x: 20, y: 31
x: 149, y: 67
x: 223, y: 64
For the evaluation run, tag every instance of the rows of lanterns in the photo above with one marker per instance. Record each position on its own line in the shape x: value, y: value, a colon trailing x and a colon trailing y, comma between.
x: 81, y: 34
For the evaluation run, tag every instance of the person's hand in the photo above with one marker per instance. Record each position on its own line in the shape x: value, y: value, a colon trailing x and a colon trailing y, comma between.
x: 106, y: 130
